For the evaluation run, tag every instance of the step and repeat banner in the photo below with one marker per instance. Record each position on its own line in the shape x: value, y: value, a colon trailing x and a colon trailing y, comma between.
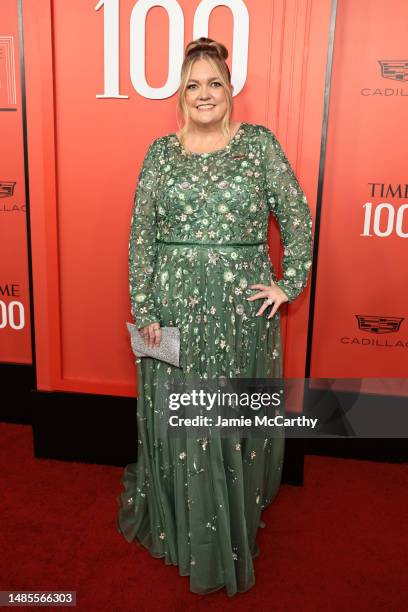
x: 361, y: 309
x: 101, y: 82
x: 15, y: 324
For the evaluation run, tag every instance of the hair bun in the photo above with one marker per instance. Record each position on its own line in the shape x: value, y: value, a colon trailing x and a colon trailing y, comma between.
x: 208, y: 45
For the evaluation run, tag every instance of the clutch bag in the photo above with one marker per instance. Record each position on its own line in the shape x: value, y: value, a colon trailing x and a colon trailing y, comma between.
x: 168, y: 350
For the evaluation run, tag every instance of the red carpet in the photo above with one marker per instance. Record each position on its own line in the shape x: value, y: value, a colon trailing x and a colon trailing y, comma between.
x: 338, y: 543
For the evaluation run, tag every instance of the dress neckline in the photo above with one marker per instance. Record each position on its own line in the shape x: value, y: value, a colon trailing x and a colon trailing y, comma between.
x: 210, y: 153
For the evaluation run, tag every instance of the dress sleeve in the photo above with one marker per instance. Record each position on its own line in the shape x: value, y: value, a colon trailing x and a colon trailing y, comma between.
x: 289, y: 205
x: 142, y: 243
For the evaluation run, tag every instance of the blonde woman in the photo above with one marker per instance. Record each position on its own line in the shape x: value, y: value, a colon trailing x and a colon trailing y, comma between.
x: 198, y: 260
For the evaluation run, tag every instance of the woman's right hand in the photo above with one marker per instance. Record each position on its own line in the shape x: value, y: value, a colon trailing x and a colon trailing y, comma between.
x: 151, y: 334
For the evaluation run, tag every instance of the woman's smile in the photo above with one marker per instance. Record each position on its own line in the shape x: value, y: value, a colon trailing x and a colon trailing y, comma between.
x: 205, y: 107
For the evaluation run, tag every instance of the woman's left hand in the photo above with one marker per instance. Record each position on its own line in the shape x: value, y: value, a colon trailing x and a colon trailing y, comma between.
x: 272, y: 295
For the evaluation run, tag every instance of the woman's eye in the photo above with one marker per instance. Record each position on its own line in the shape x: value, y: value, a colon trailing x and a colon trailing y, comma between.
x: 213, y: 83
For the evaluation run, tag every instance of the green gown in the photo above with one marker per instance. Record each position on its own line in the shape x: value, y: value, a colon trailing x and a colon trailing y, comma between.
x: 197, y: 241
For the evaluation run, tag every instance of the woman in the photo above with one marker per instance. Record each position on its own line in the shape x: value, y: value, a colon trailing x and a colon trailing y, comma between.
x: 198, y: 260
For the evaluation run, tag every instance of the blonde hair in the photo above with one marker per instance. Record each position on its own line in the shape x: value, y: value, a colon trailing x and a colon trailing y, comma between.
x: 216, y: 54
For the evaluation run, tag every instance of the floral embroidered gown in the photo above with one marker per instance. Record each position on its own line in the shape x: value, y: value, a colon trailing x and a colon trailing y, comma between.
x: 197, y: 241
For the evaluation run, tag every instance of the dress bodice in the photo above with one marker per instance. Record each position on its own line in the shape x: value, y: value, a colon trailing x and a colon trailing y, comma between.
x: 221, y: 197
x: 212, y: 197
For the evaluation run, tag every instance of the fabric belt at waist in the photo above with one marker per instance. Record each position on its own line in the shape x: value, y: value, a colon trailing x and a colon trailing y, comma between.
x: 221, y: 244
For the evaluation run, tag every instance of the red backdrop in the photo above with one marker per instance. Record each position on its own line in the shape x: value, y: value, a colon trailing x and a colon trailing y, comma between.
x: 101, y: 79
x: 15, y: 323
x: 361, y: 301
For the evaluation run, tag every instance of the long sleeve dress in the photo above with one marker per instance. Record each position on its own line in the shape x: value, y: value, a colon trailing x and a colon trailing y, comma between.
x: 197, y: 241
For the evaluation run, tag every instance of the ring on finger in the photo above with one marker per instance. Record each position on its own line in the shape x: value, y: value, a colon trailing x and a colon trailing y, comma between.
x: 269, y: 301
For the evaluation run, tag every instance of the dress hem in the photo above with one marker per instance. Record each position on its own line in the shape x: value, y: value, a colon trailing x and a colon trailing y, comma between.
x: 136, y: 541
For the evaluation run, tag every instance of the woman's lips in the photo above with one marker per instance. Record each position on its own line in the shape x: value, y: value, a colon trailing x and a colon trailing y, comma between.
x: 206, y: 107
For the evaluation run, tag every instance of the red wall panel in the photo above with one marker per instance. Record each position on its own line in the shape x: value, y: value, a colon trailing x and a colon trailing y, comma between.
x: 361, y: 316
x: 15, y: 323
x: 85, y: 153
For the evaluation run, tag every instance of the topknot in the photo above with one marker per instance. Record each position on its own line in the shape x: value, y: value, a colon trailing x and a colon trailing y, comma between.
x: 208, y: 45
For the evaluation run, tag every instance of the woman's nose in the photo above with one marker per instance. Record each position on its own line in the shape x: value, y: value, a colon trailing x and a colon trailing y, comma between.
x: 204, y: 94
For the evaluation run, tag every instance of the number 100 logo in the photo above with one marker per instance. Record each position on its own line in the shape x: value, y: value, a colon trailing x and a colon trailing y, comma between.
x: 384, y: 216
x: 176, y: 44
x: 12, y: 315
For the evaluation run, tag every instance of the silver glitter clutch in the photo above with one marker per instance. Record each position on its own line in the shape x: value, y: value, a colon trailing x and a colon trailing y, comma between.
x: 168, y: 351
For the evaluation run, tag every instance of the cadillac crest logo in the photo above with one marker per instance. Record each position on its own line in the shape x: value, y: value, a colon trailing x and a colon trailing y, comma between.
x: 379, y: 325
x: 394, y: 69
x: 6, y: 189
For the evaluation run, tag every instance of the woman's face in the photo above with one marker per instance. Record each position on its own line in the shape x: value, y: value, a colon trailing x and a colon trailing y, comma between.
x: 205, y: 95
